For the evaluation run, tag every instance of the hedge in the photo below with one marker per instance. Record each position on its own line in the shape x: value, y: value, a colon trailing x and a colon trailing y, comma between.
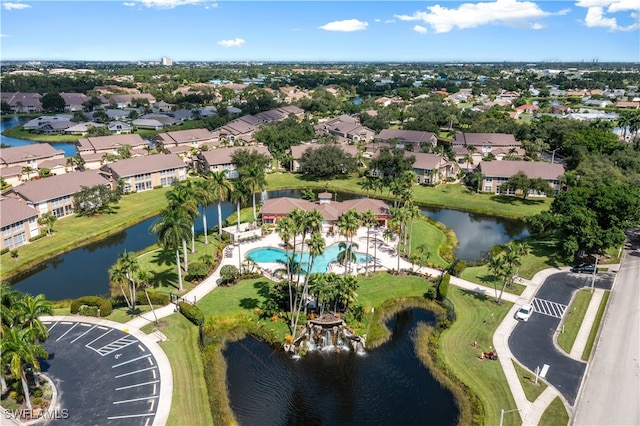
x: 443, y: 288
x: 191, y: 312
x: 104, y: 305
x: 156, y: 298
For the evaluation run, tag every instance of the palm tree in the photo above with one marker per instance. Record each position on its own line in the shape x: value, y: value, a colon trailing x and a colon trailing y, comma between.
x: 347, y: 290
x: 143, y: 278
x: 27, y: 170
x: 203, y: 193
x: 412, y: 212
x: 347, y: 255
x: 17, y: 349
x: 285, y: 229
x: 181, y: 197
x: 238, y: 195
x: 222, y: 187
x: 28, y: 309
x: 396, y: 188
x: 256, y: 180
x: 423, y: 253
x: 369, y: 219
x: 367, y: 184
x: 126, y: 269
x: 47, y: 218
x: 316, y: 247
x: 172, y: 229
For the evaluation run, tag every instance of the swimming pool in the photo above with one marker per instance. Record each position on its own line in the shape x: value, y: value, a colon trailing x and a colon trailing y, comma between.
x: 321, y: 263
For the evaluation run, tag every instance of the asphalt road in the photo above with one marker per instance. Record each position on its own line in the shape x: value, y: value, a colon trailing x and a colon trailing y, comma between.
x: 532, y: 342
x: 103, y: 376
x: 611, y: 392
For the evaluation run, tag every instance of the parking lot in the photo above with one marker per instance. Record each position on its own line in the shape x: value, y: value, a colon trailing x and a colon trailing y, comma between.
x: 104, y: 376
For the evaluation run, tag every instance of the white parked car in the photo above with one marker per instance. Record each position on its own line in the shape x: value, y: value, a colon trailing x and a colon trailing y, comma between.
x: 524, y: 313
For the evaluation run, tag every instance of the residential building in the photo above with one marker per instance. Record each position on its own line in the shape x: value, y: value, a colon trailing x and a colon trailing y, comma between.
x: 481, y: 145
x: 406, y: 138
x: 109, y: 144
x: 432, y: 169
x: 221, y: 159
x: 495, y: 173
x: 146, y: 173
x: 20, y: 102
x: 192, y: 138
x: 55, y: 194
x: 29, y: 155
x: 18, y: 221
x: 346, y: 128
x: 74, y: 101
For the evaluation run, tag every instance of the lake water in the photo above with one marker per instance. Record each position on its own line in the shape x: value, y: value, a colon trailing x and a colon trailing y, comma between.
x: 13, y: 121
x: 387, y: 386
x: 84, y: 271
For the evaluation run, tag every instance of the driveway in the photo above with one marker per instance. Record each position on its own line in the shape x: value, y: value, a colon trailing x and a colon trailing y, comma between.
x: 532, y: 343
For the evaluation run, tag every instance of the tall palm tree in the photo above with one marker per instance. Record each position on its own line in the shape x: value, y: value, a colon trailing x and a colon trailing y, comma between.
x: 347, y: 290
x: 413, y: 212
x: 286, y: 230
x: 238, y: 195
x: 369, y: 219
x: 203, y: 193
x: 316, y: 246
x: 172, y: 229
x: 181, y: 197
x: 143, y: 278
x: 222, y: 187
x: 126, y: 269
x: 347, y: 255
x: 28, y: 309
x: 17, y: 349
x: 312, y: 222
x: 256, y: 180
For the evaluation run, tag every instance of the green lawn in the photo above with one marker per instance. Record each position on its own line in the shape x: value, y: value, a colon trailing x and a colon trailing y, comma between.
x: 586, y: 354
x: 555, y: 414
x: 229, y: 301
x: 527, y: 380
x: 573, y: 319
x: 189, y: 404
x: 477, y: 318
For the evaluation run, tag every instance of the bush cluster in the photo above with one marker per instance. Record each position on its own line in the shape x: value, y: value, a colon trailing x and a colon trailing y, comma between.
x: 103, y: 304
x: 191, y: 312
x: 443, y: 288
x: 37, y: 237
x: 197, y: 271
x: 156, y: 298
x: 4, y: 250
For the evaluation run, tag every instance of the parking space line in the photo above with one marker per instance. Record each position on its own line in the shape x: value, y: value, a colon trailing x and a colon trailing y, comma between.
x: 138, y: 384
x: 138, y: 371
x: 98, y: 338
x: 130, y: 416
x: 65, y: 333
x: 122, y: 342
x: 124, y: 401
x: 54, y: 324
x: 83, y: 334
x: 131, y: 360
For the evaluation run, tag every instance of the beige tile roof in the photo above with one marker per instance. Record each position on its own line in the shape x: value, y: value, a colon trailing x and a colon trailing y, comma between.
x: 479, y: 139
x: 58, y: 186
x: 330, y: 211
x: 413, y: 136
x: 146, y: 164
x: 36, y: 151
x: 183, y: 136
x: 533, y: 169
x: 426, y: 161
x: 13, y: 210
x: 104, y: 143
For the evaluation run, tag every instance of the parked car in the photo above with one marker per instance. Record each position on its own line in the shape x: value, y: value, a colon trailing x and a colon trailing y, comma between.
x: 524, y: 313
x: 584, y: 267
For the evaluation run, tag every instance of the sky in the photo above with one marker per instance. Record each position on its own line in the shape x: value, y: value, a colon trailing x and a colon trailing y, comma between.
x: 386, y: 31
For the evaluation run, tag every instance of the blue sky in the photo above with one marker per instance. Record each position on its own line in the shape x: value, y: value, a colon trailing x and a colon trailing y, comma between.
x: 190, y: 30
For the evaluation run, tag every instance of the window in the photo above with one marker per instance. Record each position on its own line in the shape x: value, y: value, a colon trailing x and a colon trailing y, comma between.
x: 487, y: 188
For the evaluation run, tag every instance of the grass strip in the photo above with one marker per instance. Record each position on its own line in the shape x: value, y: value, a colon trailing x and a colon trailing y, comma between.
x: 189, y: 404
x: 527, y: 379
x: 573, y: 319
x: 586, y: 354
x: 555, y: 414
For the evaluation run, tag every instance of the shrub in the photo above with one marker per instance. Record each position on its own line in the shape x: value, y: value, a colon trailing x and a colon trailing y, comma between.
x: 431, y: 293
x: 89, y: 310
x: 191, y: 312
x: 197, y: 270
x: 37, y: 401
x: 37, y: 237
x: 104, y: 305
x: 443, y: 288
x: 4, y: 250
x: 14, y: 253
x: 156, y: 298
x: 37, y: 392
x: 458, y: 268
x: 229, y: 274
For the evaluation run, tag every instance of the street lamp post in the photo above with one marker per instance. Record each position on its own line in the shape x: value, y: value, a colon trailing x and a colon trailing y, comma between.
x: 503, y: 412
x: 593, y: 276
x: 553, y: 154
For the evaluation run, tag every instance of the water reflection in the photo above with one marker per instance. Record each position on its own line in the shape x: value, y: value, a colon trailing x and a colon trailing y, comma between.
x: 388, y: 386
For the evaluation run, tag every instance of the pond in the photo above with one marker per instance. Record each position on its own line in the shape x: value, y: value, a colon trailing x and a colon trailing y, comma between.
x: 84, y: 271
x: 69, y: 148
x: 387, y: 386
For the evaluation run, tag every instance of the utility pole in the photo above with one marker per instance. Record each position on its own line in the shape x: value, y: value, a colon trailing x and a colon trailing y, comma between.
x: 502, y: 413
x: 553, y: 154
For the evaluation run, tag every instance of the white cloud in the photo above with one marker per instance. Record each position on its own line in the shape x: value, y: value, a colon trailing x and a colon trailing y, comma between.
x: 347, y: 25
x: 389, y: 21
x: 4, y: 36
x: 15, y: 6
x: 538, y: 26
x: 170, y: 4
x: 231, y: 43
x: 377, y: 20
x: 513, y: 13
x: 597, y: 11
x: 420, y: 29
x: 129, y: 4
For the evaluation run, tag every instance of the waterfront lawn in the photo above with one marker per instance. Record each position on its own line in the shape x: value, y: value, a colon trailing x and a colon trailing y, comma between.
x: 573, y: 319
x: 189, y: 403
x: 454, y: 196
x: 71, y: 232
x: 477, y: 318
x: 555, y: 414
x: 527, y: 380
x: 425, y: 233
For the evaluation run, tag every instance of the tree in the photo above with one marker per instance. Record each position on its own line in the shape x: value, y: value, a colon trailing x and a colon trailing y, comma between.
x: 369, y: 219
x: 172, y: 229
x: 27, y: 170
x: 27, y: 310
x: 203, y: 192
x: 347, y: 254
x: 255, y: 179
x: 93, y: 200
x: 53, y: 102
x: 221, y: 187
x: 182, y: 196
x: 520, y: 181
x: 316, y: 247
x: 126, y: 270
x: 48, y: 219
x: 326, y: 162
x: 391, y: 162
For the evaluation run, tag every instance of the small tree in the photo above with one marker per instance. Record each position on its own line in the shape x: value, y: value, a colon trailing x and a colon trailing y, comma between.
x: 47, y: 219
x: 229, y: 274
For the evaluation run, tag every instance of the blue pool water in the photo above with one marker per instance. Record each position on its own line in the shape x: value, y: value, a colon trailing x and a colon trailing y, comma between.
x: 321, y: 263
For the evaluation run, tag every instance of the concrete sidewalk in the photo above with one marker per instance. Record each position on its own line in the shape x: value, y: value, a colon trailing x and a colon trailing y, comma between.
x: 587, y: 324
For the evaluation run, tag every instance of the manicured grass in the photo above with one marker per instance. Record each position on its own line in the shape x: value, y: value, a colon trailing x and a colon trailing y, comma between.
x: 229, y: 301
x: 189, y: 404
x: 477, y: 318
x: 527, y: 380
x: 586, y: 354
x: 573, y: 319
x: 454, y: 196
x: 481, y: 275
x: 555, y: 414
x: 425, y: 233
x: 71, y: 232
